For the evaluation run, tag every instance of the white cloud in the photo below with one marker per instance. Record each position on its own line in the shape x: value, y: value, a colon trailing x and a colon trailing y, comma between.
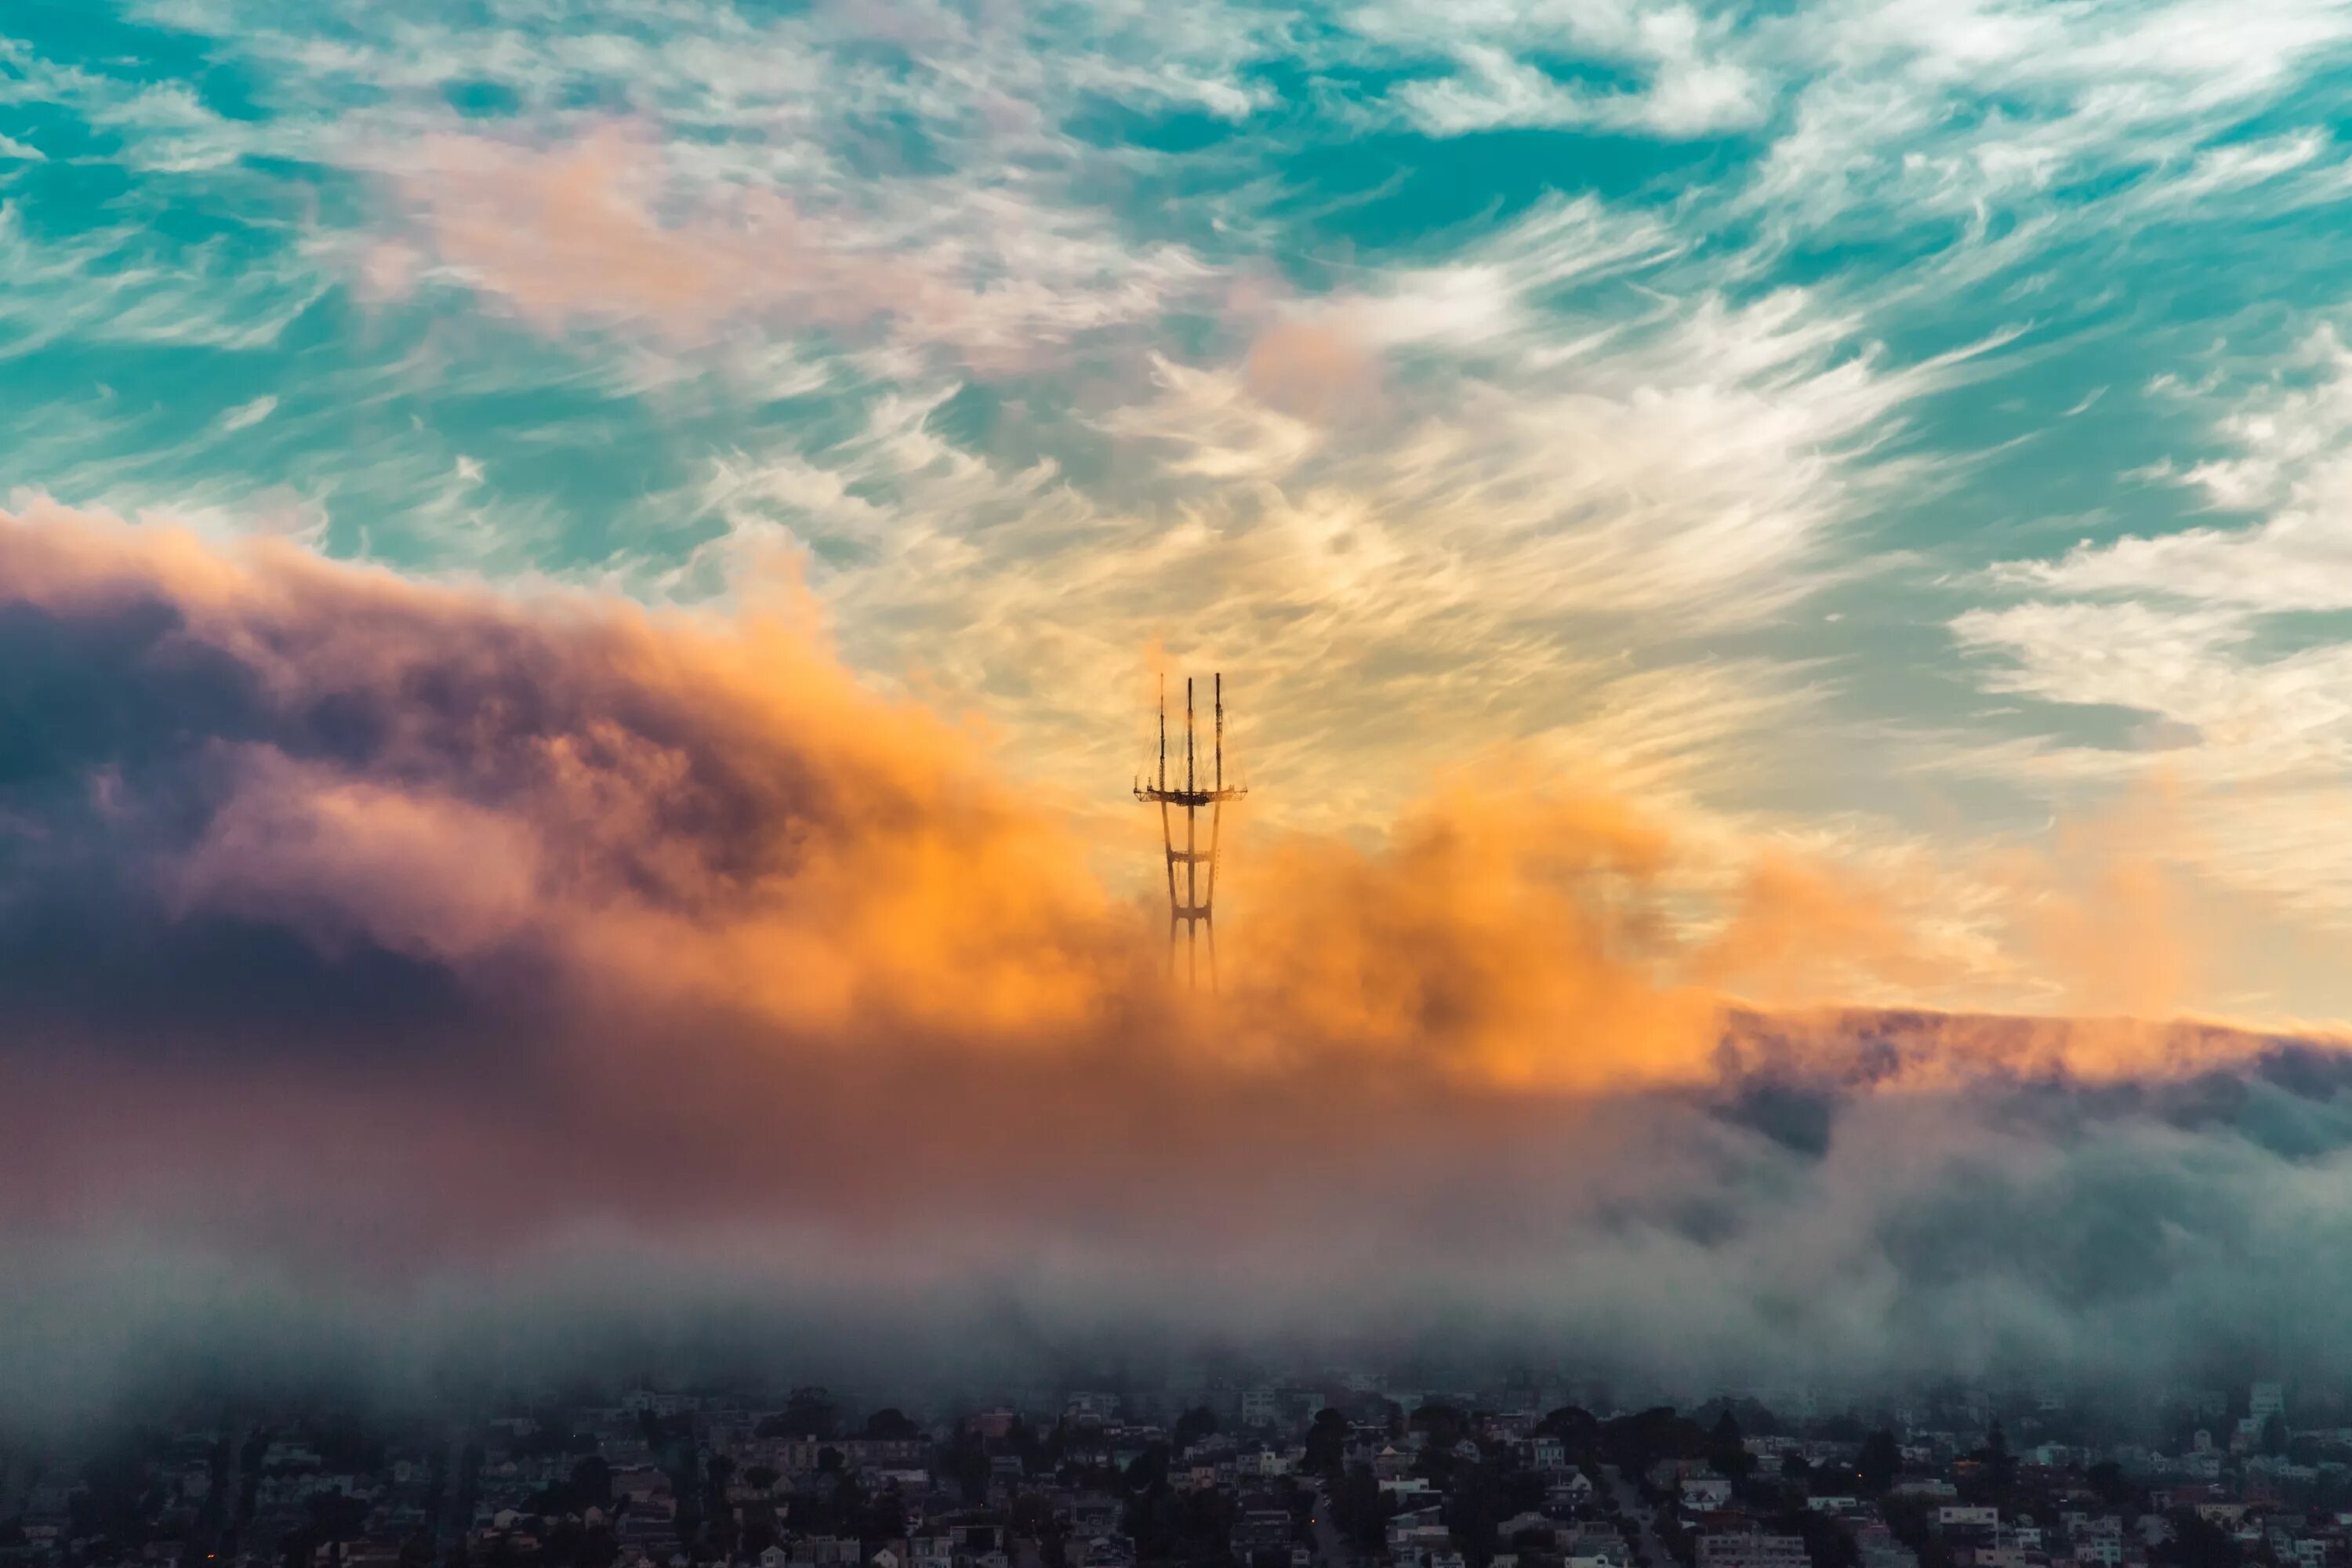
x: 2247, y: 715
x: 2253, y: 753
x: 1688, y: 77
x: 1214, y: 427
x: 2289, y: 458
x: 247, y: 415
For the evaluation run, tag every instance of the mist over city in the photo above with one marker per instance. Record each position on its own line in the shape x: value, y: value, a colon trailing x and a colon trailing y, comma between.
x: 938, y: 784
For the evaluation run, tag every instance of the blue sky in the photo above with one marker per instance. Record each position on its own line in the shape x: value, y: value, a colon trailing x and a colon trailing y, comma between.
x: 1916, y: 432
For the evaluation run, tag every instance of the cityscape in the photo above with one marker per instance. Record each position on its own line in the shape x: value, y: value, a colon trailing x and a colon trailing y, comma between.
x: 1355, y: 1472
x: 1175, y: 783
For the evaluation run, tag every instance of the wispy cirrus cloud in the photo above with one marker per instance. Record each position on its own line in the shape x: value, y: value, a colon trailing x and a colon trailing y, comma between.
x: 2284, y: 458
x: 2201, y: 637
x: 593, y: 232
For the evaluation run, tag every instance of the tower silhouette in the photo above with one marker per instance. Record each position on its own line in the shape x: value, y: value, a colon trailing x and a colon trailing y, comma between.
x: 1193, y: 907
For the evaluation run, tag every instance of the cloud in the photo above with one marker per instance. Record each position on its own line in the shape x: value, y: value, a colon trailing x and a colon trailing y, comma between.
x: 1886, y: 110
x: 579, y: 232
x: 1218, y: 427
x: 246, y: 416
x: 2196, y: 631
x: 607, y: 229
x: 2286, y: 446
x: 357, y: 931
x: 558, y: 795
x: 1480, y: 550
x: 378, y: 943
x: 1688, y: 77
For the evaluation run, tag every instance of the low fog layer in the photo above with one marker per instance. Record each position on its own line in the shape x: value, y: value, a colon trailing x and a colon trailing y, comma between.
x: 404, y: 980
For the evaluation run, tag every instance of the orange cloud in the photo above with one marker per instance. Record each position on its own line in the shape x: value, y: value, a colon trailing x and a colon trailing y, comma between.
x: 728, y: 930
x: 1317, y: 368
x: 594, y: 231
x: 382, y: 929
x: 670, y: 809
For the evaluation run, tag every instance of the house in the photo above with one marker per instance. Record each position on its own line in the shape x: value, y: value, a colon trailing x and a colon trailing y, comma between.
x: 1595, y: 1541
x: 1754, y: 1549
x: 1262, y: 1530
x: 1525, y: 1523
x: 1705, y: 1490
x: 1575, y: 1489
x: 1417, y: 1533
x: 1880, y: 1549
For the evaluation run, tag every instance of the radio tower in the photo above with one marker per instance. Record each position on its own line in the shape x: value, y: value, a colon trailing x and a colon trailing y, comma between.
x: 1193, y: 906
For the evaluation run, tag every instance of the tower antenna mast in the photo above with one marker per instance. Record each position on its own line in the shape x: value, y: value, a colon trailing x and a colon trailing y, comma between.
x: 1191, y: 909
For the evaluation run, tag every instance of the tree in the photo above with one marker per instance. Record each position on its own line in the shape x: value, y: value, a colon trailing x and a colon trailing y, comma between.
x: 2197, y: 1542
x: 1879, y: 1462
x: 891, y: 1425
x: 1032, y: 1516
x: 1326, y: 1443
x: 1360, y: 1509
x: 591, y: 1477
x: 2107, y: 1479
x: 1148, y: 1468
x: 810, y: 1413
x: 1194, y: 1425
x: 1998, y: 1462
x: 1827, y: 1545
x: 883, y: 1517
x: 1472, y: 1511
x: 1188, y: 1526
x: 1726, y: 1449
x: 1634, y: 1443
x: 967, y: 1461
x: 1443, y: 1424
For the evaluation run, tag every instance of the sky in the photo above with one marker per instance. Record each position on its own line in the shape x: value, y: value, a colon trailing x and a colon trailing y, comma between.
x: 582, y: 587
